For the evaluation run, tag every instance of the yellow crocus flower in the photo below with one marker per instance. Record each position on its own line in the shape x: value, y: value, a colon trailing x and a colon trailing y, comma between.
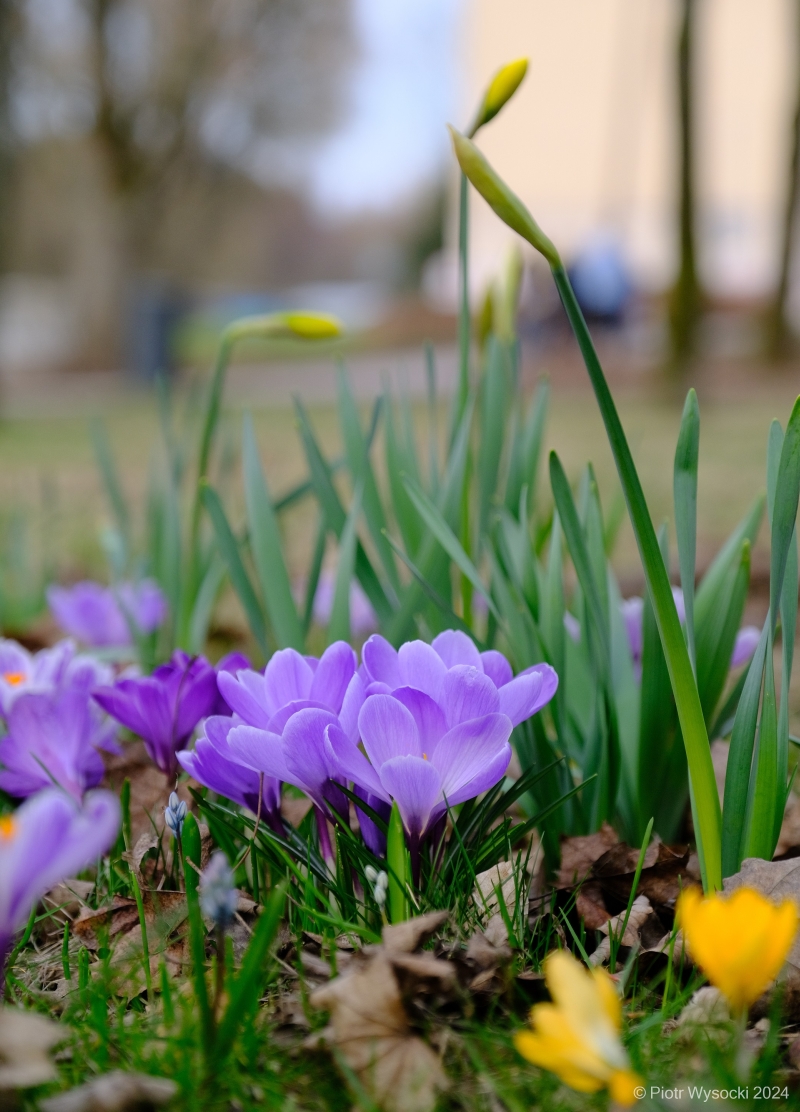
x: 739, y: 941
x: 577, y: 1036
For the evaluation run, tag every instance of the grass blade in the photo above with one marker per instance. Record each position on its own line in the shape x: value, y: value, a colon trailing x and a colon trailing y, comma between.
x: 339, y: 625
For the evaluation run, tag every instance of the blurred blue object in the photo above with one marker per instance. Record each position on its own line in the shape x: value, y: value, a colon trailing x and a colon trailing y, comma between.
x: 155, y: 312
x: 601, y: 279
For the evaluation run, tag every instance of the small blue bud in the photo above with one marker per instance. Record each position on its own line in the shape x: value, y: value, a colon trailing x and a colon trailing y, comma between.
x: 218, y: 897
x: 174, y: 814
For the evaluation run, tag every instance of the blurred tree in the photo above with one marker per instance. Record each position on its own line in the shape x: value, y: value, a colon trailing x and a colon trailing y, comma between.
x: 685, y: 299
x: 778, y: 333
x: 9, y: 35
x: 171, y: 94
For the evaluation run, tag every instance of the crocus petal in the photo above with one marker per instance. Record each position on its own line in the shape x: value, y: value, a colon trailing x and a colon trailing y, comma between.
x: 259, y: 750
x: 428, y: 715
x: 421, y: 667
x: 122, y: 702
x: 225, y: 777
x: 278, y: 721
x: 468, y: 693
x: 455, y: 647
x: 528, y: 692
x: 473, y: 756
x: 350, y: 762
x: 304, y: 751
x: 745, y: 645
x: 245, y: 695
x: 351, y: 706
x: 388, y: 730
x: 336, y: 668
x: 416, y: 786
x: 496, y: 667
x: 287, y: 677
x: 380, y: 661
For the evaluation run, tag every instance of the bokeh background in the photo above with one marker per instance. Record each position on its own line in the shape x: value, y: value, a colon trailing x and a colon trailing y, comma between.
x: 168, y: 165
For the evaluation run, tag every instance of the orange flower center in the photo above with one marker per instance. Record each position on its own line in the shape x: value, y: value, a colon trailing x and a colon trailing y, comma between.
x: 8, y: 827
x: 14, y: 678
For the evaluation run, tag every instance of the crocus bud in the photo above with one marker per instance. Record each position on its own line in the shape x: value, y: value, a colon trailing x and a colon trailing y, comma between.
x: 174, y: 814
x: 499, y: 197
x: 218, y: 897
x: 499, y: 91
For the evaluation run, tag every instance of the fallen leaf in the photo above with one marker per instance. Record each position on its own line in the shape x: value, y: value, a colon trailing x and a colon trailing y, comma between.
x: 641, y: 911
x: 707, y: 1011
x: 69, y: 896
x: 409, y: 936
x: 370, y: 1028
x: 114, y: 1092
x: 578, y: 854
x: 25, y: 1039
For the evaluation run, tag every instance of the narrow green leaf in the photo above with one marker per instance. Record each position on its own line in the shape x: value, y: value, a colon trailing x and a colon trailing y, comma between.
x: 314, y: 572
x: 204, y: 604
x: 229, y: 549
x: 397, y: 867
x: 687, y: 455
x: 576, y: 543
x: 357, y: 449
x: 336, y: 517
x: 439, y: 528
x: 784, y: 515
x: 267, y: 547
x: 740, y: 760
x: 249, y: 983
x: 339, y: 625
x: 765, y: 794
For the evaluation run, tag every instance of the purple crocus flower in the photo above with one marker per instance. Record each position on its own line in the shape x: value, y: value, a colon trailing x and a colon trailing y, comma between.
x: 416, y: 665
x: 50, y: 671
x: 47, y: 670
x: 632, y: 610
x: 425, y: 756
x: 165, y: 707
x: 210, y: 763
x: 101, y: 616
x: 50, y: 741
x: 745, y: 645
x: 48, y: 839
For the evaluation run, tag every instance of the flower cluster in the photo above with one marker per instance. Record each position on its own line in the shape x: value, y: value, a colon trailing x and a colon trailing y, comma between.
x: 425, y: 727
x: 53, y: 729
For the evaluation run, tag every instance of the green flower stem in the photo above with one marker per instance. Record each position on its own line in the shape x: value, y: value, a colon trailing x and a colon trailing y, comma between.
x: 705, y: 801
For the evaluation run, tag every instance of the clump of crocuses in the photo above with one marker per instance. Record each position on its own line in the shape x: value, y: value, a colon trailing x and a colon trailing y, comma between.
x: 425, y: 726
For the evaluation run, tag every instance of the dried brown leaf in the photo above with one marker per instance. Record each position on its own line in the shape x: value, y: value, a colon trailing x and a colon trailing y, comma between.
x: 407, y: 937
x: 578, y: 854
x: 369, y: 1027
x: 114, y: 1092
x: 25, y: 1039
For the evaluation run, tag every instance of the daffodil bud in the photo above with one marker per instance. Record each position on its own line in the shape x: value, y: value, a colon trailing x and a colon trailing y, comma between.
x: 499, y: 91
x: 292, y: 325
x: 499, y: 197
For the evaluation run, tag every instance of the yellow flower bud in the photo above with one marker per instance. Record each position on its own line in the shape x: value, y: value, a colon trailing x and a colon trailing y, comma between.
x: 500, y: 90
x: 739, y: 941
x: 292, y: 325
x: 499, y: 197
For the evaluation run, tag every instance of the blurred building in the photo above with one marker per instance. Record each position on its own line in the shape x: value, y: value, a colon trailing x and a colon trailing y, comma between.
x: 590, y: 140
